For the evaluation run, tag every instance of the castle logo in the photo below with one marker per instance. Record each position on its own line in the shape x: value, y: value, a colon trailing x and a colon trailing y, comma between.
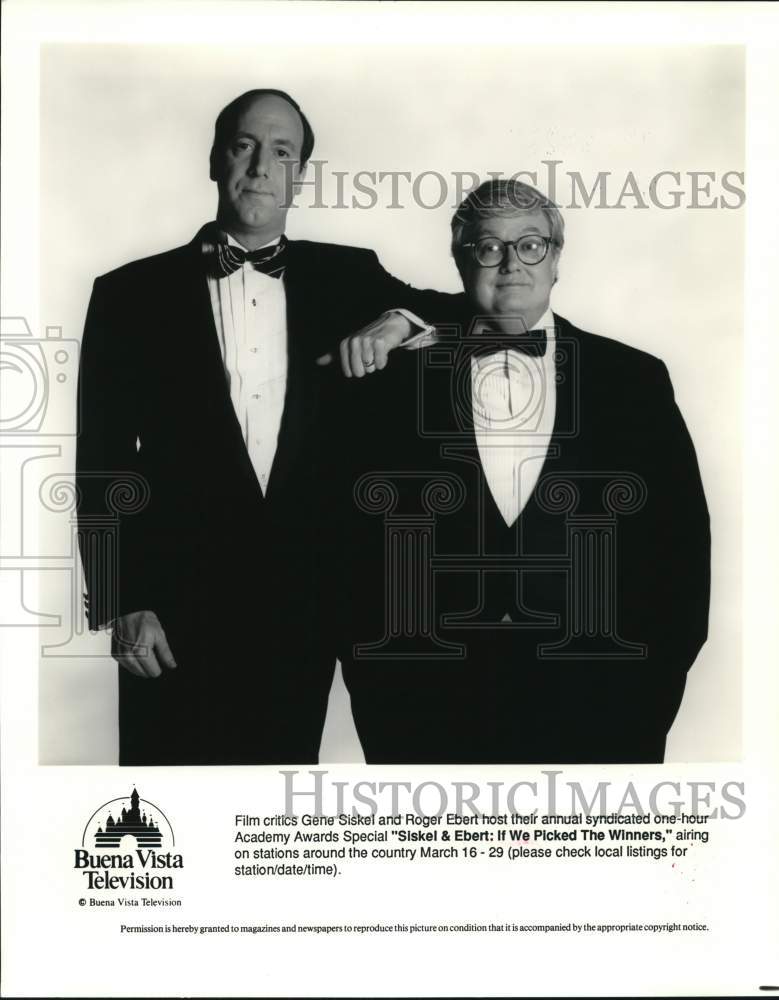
x: 138, y: 821
x: 134, y: 836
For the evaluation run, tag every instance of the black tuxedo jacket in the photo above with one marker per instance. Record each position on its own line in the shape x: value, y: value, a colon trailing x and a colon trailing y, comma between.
x: 172, y: 518
x: 564, y: 638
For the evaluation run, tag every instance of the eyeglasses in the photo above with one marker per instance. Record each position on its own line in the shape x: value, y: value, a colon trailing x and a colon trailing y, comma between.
x: 489, y: 251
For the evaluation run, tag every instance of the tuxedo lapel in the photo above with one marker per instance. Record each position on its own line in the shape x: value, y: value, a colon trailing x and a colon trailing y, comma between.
x: 299, y: 399
x: 565, y: 428
x: 203, y: 366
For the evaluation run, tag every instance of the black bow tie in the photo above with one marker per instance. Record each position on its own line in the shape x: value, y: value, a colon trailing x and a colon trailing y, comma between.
x: 225, y: 259
x: 532, y: 343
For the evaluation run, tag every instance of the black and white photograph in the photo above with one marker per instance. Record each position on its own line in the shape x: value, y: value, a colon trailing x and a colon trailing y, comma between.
x: 244, y: 496
x: 386, y: 398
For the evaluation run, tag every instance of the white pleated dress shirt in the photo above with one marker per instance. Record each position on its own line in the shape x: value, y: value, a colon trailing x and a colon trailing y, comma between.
x: 514, y: 403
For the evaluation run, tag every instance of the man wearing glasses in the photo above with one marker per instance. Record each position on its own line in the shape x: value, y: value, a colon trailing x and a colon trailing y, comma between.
x: 528, y: 571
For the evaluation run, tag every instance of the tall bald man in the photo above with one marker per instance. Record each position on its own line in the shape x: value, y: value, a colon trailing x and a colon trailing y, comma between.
x: 199, y: 387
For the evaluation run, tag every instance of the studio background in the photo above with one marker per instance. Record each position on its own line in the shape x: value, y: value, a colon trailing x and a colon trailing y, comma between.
x: 125, y: 136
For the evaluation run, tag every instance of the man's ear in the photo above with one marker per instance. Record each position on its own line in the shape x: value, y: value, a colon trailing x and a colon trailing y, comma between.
x: 212, y: 171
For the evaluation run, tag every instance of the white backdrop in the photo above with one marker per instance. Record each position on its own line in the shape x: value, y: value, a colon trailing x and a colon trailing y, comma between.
x: 90, y: 183
x: 125, y: 135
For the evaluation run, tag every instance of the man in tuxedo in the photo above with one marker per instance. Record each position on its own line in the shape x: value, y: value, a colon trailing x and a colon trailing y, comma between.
x: 198, y: 460
x: 528, y: 572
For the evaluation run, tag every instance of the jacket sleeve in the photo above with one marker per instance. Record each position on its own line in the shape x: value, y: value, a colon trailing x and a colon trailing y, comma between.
x: 683, y: 570
x: 666, y: 571
x: 389, y: 292
x: 111, y: 491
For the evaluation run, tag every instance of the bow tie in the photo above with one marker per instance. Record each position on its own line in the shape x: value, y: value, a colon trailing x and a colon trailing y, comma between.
x: 225, y: 259
x: 532, y: 343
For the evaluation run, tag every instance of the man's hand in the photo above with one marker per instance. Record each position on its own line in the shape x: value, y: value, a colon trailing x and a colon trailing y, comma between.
x: 366, y: 351
x: 139, y: 644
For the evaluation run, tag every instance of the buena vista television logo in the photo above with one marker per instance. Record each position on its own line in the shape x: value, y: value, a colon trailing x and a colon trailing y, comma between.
x: 133, y: 836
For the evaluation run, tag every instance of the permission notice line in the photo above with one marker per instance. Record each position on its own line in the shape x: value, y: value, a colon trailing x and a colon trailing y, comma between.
x: 508, y: 927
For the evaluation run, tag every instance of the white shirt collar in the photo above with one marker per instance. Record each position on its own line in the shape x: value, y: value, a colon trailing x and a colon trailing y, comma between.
x: 233, y: 242
x: 546, y: 323
x: 213, y: 234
